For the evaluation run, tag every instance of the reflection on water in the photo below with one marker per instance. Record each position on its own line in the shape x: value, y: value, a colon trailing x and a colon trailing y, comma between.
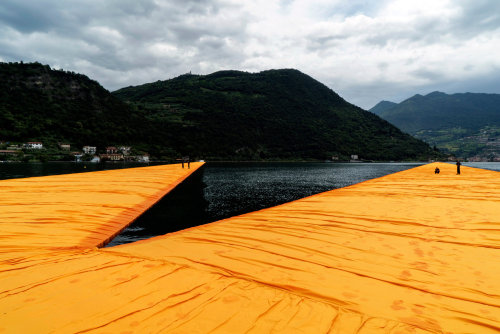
x: 222, y: 190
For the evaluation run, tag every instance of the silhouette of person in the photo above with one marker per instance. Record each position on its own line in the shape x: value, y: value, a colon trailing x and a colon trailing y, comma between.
x: 186, y: 160
x: 436, y: 171
x: 458, y: 167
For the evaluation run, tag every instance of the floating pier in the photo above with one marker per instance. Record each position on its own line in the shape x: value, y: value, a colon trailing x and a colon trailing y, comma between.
x: 81, y: 210
x: 411, y: 252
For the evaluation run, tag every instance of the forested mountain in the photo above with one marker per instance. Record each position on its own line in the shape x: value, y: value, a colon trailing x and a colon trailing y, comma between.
x: 277, y: 114
x: 382, y: 107
x: 467, y: 124
x: 38, y: 103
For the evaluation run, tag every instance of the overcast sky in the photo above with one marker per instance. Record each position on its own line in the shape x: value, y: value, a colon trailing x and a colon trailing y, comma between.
x: 364, y: 50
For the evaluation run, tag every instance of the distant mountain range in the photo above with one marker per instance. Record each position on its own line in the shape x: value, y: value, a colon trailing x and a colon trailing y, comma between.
x: 466, y: 125
x: 229, y: 115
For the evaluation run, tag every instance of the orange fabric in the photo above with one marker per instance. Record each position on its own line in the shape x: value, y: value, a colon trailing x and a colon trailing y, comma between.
x: 411, y: 252
x: 83, y: 209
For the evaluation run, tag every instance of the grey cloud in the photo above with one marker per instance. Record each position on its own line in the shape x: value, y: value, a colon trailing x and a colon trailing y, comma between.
x: 203, y: 8
x: 479, y: 84
x: 25, y: 17
x: 383, y: 66
x: 113, y: 41
x: 477, y: 16
x: 190, y: 25
x: 424, y: 31
x: 355, y: 7
x: 368, y: 95
x: 29, y: 16
x: 130, y: 7
x: 427, y: 74
x: 318, y: 43
x: 213, y: 43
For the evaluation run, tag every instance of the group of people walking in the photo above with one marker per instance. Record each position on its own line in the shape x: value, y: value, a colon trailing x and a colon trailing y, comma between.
x: 437, y: 171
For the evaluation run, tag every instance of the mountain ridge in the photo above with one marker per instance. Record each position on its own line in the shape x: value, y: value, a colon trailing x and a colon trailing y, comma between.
x: 464, y: 124
x: 228, y: 115
x: 275, y: 110
x: 36, y: 100
x: 382, y: 106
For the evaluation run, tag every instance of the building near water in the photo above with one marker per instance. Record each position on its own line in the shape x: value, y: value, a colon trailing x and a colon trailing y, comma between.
x: 65, y: 147
x: 111, y: 150
x: 125, y: 149
x: 143, y: 158
x: 89, y: 149
x: 111, y: 157
x: 33, y: 145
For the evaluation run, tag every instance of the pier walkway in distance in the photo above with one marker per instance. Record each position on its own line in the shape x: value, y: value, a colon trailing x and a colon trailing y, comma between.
x: 411, y: 252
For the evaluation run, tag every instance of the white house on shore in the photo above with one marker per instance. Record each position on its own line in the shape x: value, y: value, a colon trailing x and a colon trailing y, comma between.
x: 125, y: 149
x: 33, y: 145
x: 89, y: 149
x: 143, y: 158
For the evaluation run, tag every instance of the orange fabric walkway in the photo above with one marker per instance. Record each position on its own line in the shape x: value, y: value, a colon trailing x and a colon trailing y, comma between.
x: 82, y: 209
x: 411, y: 252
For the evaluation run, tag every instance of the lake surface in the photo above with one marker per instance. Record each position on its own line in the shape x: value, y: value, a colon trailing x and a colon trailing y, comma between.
x: 222, y: 190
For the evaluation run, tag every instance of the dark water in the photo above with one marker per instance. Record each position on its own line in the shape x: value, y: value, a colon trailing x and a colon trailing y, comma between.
x: 223, y: 190
x: 227, y: 189
x: 484, y: 165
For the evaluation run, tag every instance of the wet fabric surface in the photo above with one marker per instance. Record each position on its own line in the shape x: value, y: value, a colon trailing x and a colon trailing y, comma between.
x: 411, y: 252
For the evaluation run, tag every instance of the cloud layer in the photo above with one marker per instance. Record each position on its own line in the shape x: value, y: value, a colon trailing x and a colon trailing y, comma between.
x: 364, y: 50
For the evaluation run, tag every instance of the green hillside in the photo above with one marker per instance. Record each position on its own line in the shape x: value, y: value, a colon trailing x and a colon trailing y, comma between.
x: 41, y: 104
x: 272, y: 114
x: 382, y: 107
x: 228, y: 115
x: 467, y: 125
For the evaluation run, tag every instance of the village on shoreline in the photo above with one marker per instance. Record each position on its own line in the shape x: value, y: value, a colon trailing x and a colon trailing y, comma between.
x: 37, y: 152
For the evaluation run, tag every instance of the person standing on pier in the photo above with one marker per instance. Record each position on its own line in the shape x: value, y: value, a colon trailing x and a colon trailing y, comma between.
x: 458, y: 167
x: 186, y: 160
